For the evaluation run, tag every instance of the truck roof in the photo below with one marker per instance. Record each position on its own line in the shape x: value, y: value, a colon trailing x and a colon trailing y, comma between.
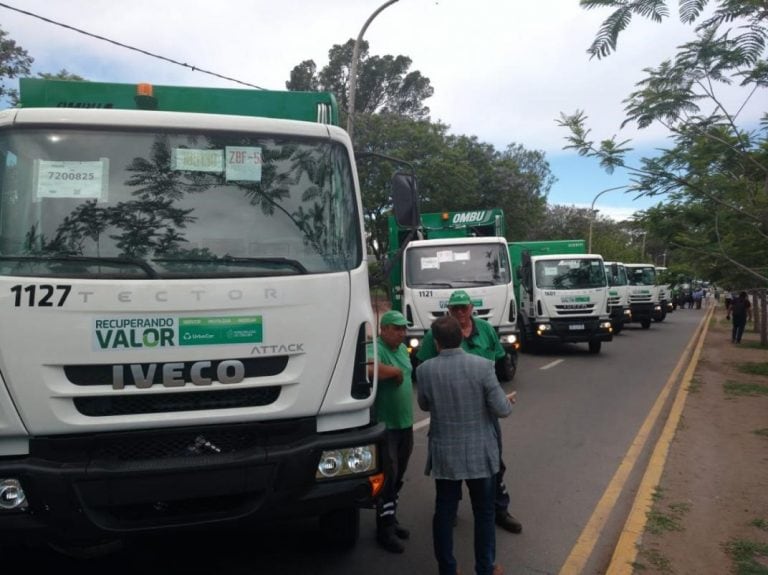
x: 138, y: 119
x: 455, y: 241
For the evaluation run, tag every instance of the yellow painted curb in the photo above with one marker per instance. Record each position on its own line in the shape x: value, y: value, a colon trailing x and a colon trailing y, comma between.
x: 625, y: 553
x: 585, y: 544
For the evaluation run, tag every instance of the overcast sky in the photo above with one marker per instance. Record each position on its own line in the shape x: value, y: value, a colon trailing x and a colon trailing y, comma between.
x: 502, y: 70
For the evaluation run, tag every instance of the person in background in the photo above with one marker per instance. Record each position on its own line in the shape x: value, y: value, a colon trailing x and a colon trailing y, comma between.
x: 741, y: 312
x: 478, y: 338
x: 393, y: 407
x: 464, y: 399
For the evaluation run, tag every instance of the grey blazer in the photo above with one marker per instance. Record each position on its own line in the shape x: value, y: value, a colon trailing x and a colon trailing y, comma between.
x: 464, y: 399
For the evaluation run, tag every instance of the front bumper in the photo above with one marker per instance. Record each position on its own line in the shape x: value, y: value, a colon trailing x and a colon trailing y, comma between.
x: 110, y: 485
x: 573, y: 330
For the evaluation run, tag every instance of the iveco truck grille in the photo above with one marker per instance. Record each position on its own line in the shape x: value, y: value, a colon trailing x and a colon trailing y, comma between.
x: 575, y: 309
x: 134, y: 404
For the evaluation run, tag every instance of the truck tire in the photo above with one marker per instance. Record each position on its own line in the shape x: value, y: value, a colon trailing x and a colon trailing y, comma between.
x: 341, y: 528
x: 594, y: 346
x: 646, y: 323
x: 617, y: 327
x: 506, y: 367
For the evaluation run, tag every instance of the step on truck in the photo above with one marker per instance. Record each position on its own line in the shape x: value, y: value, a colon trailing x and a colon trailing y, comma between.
x: 185, y: 308
x: 562, y: 294
x: 618, y: 295
x: 643, y: 293
x: 449, y: 251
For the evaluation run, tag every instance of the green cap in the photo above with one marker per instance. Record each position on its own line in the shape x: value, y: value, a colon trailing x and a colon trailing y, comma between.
x: 459, y: 297
x: 393, y: 317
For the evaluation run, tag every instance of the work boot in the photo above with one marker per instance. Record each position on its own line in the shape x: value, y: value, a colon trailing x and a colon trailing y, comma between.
x: 507, y: 522
x: 386, y: 538
x: 401, y: 532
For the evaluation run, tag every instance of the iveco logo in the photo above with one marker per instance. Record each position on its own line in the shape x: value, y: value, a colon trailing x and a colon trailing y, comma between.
x: 177, y: 374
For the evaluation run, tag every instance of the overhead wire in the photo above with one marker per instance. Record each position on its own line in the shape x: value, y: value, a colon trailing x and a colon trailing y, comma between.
x: 122, y: 45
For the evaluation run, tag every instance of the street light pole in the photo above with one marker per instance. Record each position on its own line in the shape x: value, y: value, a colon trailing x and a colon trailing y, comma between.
x: 592, y: 214
x: 353, y: 68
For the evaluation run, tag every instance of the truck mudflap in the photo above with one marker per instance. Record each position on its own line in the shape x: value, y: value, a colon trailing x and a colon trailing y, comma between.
x: 117, y: 484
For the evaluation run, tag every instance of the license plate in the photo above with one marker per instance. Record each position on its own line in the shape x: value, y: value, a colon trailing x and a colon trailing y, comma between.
x: 576, y: 326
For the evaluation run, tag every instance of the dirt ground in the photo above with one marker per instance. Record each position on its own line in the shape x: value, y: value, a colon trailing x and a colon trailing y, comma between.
x: 710, y: 514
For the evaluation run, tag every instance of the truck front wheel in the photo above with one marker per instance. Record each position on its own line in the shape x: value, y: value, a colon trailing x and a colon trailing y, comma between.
x: 340, y: 528
x: 594, y: 346
x: 646, y: 323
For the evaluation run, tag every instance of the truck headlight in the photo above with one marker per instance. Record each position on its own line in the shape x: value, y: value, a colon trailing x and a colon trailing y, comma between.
x: 414, y: 342
x: 12, y: 496
x: 605, y: 325
x: 346, y: 461
x: 510, y: 339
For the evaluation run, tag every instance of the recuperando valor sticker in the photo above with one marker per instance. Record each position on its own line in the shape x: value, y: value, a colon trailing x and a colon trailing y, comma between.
x: 150, y: 332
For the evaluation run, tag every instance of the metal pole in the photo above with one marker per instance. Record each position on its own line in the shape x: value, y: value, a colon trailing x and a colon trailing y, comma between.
x: 592, y: 213
x: 353, y: 68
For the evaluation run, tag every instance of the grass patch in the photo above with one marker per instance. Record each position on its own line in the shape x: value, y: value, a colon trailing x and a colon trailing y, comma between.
x: 763, y: 432
x: 753, y: 368
x: 752, y: 344
x: 744, y: 554
x: 760, y: 524
x: 658, y: 493
x: 656, y: 560
x: 735, y: 388
x: 695, y: 385
x: 659, y: 522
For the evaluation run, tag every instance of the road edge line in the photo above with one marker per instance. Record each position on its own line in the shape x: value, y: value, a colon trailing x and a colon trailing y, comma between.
x: 585, y: 544
x: 625, y: 552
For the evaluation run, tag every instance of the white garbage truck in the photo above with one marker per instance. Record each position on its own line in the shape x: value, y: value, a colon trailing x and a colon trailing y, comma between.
x: 185, y: 310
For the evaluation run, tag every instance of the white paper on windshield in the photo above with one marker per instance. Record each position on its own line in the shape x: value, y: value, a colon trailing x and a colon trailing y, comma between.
x: 430, y: 264
x: 572, y: 264
x: 445, y: 256
x: 461, y: 256
x: 188, y: 160
x: 243, y: 163
x: 82, y: 180
x: 550, y: 271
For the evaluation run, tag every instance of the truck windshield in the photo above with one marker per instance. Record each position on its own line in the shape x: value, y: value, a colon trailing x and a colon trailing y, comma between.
x: 460, y: 265
x: 641, y: 276
x: 140, y: 205
x: 570, y: 273
x: 617, y: 279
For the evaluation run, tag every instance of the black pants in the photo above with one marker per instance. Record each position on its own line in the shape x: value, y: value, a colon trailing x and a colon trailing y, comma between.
x: 397, y: 451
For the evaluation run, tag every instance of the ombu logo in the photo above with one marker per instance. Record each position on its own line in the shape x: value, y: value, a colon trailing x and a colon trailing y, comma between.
x: 137, y: 332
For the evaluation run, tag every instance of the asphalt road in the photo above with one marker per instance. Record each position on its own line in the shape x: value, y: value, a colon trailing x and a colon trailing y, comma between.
x: 576, y: 417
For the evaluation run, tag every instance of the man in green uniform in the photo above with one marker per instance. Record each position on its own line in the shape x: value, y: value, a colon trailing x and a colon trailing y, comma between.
x: 479, y: 338
x: 394, y: 408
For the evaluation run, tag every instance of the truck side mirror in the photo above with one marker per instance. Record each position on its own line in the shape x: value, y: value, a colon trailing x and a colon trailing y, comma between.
x: 405, y: 205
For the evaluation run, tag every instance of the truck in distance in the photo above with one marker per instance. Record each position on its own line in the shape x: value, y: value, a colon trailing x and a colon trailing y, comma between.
x: 618, y: 295
x: 561, y: 293
x: 643, y: 293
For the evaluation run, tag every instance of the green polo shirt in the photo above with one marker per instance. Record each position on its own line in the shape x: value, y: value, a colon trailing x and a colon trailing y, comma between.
x: 394, y: 403
x: 483, y: 341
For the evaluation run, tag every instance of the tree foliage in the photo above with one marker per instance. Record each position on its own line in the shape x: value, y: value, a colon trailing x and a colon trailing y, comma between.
x: 384, y: 83
x: 714, y: 170
x: 454, y: 173
x: 14, y: 62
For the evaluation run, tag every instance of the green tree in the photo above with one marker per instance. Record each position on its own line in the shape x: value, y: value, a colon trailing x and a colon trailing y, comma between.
x: 14, y: 62
x: 62, y: 74
x: 384, y: 83
x: 714, y: 171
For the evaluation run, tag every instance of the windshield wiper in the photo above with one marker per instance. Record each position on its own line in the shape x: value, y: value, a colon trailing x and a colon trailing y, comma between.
x: 141, y: 264
x: 434, y: 284
x: 230, y: 260
x: 477, y: 282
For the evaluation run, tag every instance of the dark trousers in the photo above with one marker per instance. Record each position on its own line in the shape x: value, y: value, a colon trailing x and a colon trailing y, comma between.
x: 739, y: 323
x: 397, y: 451
x: 447, y: 496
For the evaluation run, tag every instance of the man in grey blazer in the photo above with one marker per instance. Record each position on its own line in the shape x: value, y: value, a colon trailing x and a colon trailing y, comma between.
x: 463, y: 397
